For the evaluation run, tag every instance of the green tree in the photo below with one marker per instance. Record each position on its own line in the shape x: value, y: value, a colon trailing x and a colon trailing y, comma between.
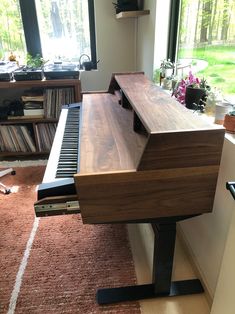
x: 206, y: 20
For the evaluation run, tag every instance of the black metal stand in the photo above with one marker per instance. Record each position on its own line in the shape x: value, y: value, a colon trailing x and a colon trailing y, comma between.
x: 162, y: 286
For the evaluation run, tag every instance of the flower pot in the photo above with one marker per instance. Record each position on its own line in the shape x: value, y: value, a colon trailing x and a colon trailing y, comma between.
x: 168, y: 73
x: 229, y: 123
x: 193, y: 97
x: 221, y: 109
x: 167, y: 84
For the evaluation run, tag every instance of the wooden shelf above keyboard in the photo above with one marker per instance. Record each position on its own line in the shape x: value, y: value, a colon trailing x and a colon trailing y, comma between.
x: 156, y: 109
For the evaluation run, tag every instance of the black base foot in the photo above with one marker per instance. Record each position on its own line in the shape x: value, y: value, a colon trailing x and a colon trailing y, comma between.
x: 133, y: 293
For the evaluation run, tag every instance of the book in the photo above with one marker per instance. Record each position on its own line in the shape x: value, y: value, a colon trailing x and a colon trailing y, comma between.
x: 45, y: 133
x: 33, y: 105
x: 28, y: 138
x: 26, y: 98
x: 34, y: 112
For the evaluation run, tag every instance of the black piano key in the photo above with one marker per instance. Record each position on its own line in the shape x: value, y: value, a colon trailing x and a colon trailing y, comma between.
x: 68, y: 160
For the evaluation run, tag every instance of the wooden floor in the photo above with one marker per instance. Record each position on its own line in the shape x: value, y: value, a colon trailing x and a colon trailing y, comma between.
x: 192, y: 304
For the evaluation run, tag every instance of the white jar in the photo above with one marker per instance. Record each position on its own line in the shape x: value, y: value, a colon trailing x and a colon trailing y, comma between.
x: 221, y: 109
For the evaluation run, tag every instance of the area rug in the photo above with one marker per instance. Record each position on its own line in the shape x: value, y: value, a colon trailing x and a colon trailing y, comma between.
x: 68, y: 261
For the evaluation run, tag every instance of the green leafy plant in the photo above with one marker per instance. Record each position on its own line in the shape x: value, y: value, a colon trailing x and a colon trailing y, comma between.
x: 156, y: 76
x: 34, y: 62
x: 232, y: 113
x: 167, y: 64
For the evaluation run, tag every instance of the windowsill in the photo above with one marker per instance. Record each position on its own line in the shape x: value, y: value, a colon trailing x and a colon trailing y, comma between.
x: 229, y: 136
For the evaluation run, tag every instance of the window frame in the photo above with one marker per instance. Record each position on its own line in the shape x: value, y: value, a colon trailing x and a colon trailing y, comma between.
x: 173, y: 30
x: 31, y: 29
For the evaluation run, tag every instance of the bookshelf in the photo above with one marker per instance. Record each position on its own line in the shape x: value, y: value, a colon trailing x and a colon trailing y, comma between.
x: 32, y: 135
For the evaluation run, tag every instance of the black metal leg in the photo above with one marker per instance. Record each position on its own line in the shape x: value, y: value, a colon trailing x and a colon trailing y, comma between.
x: 164, y: 246
x: 162, y: 285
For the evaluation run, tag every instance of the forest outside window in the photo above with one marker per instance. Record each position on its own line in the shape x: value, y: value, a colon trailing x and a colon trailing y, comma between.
x: 206, y: 41
x: 57, y: 29
x: 11, y: 30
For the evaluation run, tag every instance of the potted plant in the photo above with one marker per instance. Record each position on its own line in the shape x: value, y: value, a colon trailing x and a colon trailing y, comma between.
x: 166, y: 68
x: 229, y: 121
x: 192, y: 92
x: 34, y: 63
x: 32, y: 70
x: 125, y: 5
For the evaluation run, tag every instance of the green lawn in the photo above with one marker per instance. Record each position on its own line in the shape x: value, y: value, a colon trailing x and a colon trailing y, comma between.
x: 220, y: 72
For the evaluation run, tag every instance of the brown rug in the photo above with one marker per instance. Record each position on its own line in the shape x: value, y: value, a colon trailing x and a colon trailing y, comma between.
x: 68, y: 261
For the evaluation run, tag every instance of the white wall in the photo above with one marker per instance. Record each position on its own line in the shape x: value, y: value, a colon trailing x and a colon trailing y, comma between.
x: 161, y: 31
x: 224, y: 301
x: 115, y: 41
x: 206, y: 235
x: 146, y: 39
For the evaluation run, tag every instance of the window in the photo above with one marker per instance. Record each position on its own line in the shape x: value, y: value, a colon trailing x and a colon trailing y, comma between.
x: 206, y: 41
x: 64, y: 29
x: 11, y: 30
x: 56, y: 29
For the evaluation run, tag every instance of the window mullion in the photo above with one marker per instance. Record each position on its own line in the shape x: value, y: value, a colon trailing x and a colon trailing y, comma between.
x: 30, y: 24
x: 173, y: 29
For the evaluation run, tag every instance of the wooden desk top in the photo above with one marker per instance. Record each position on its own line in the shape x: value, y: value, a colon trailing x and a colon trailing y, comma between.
x: 108, y: 142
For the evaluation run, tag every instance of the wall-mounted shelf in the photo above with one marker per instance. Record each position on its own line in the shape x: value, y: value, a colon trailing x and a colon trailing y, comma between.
x: 126, y: 14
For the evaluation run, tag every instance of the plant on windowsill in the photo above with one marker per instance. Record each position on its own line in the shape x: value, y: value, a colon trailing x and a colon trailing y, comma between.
x: 192, y: 92
x: 229, y: 121
x: 166, y: 69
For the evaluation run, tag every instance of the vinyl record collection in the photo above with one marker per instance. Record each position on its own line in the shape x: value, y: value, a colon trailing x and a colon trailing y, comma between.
x: 16, y: 138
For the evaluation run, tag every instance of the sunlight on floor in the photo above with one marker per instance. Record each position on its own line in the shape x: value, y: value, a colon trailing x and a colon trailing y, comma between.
x: 14, y: 188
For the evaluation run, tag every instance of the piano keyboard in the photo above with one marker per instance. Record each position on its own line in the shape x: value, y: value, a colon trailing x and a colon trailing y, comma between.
x: 68, y: 163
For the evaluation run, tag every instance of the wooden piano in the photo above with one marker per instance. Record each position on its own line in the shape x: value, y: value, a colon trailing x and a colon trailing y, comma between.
x: 139, y: 156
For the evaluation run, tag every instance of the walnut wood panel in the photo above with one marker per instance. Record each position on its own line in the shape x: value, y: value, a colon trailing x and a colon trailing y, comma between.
x: 143, y: 195
x: 108, y: 142
x: 156, y: 109
x: 182, y: 149
x: 113, y: 82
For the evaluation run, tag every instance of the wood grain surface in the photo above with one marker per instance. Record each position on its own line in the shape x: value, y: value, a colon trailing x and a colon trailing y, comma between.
x: 108, y: 142
x: 157, y: 110
x: 144, y: 195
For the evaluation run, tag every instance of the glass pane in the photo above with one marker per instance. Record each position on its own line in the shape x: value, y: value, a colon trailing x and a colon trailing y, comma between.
x: 11, y: 30
x: 207, y: 41
x: 64, y: 29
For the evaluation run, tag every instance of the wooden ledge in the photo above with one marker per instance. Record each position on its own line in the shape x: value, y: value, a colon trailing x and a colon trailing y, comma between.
x: 127, y: 14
